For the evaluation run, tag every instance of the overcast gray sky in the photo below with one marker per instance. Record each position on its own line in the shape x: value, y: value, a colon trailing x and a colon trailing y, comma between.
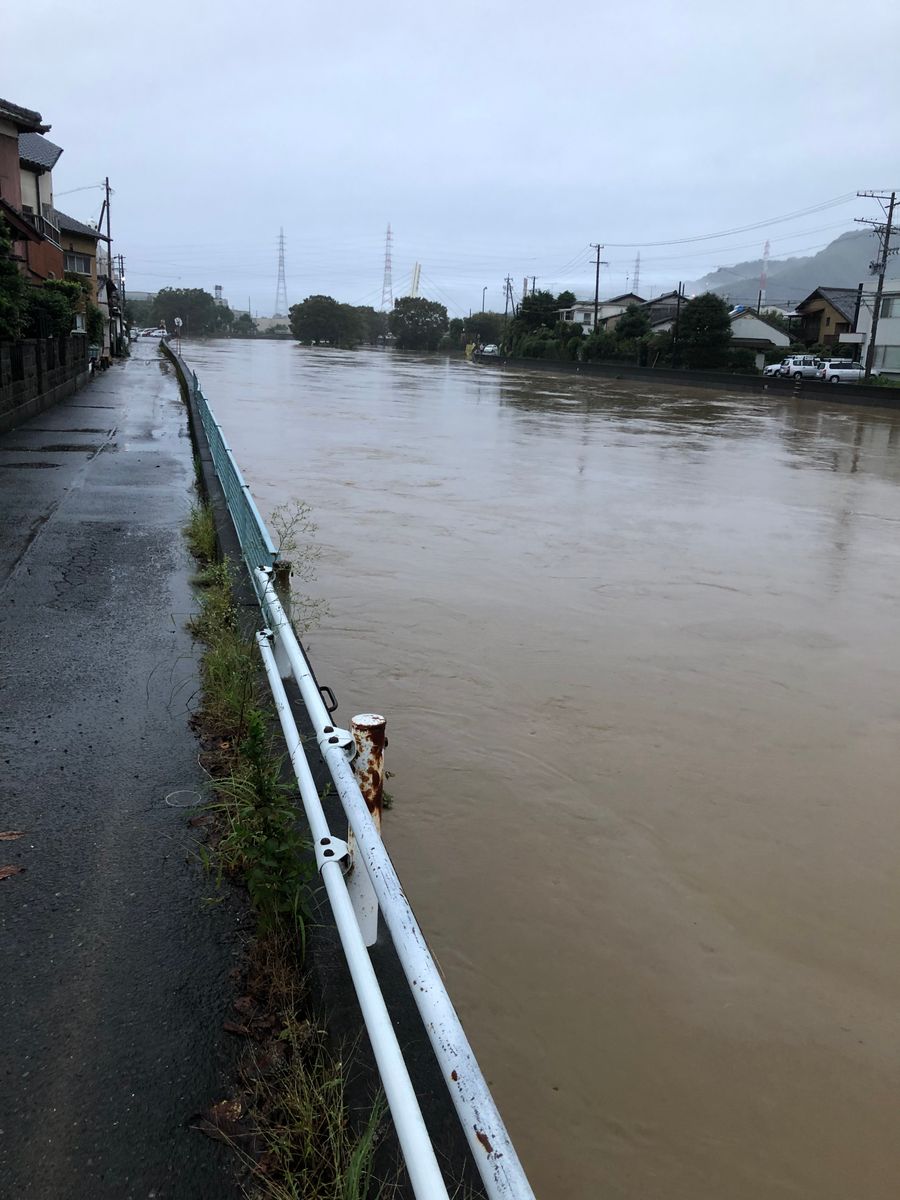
x: 494, y: 137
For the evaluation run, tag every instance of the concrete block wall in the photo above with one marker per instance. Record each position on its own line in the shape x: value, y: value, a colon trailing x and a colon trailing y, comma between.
x: 37, y: 373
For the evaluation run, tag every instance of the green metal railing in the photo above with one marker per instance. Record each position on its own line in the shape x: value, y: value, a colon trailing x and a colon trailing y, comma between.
x: 256, y: 544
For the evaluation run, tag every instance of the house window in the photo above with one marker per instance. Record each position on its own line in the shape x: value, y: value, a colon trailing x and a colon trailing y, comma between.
x: 586, y: 318
x: 79, y: 323
x: 80, y: 264
x: 889, y: 306
x: 827, y: 322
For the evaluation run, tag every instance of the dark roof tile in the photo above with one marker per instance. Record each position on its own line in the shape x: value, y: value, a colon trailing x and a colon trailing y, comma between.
x: 22, y: 118
x: 68, y: 224
x: 38, y: 151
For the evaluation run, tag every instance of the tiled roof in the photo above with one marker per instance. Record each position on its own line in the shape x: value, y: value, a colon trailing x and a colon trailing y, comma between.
x: 23, y: 118
x: 68, y: 224
x: 843, y: 299
x: 38, y: 151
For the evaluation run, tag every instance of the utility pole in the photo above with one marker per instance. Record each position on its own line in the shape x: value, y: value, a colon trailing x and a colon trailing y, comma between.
x: 677, y: 319
x: 599, y: 263
x: 533, y: 282
x: 109, y: 258
x: 884, y: 229
x: 483, y: 291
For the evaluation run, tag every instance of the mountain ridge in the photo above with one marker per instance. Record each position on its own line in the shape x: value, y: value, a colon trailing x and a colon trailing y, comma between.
x: 842, y: 263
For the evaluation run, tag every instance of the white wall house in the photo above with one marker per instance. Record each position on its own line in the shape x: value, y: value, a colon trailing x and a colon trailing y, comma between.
x: 887, y: 335
x: 581, y: 312
x: 751, y: 330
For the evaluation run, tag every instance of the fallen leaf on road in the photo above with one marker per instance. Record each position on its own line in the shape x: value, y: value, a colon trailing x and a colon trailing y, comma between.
x: 11, y: 835
x: 222, y: 1119
x: 5, y: 872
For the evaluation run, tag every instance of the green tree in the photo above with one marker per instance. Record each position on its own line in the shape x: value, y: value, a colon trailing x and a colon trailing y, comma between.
x: 319, y: 320
x: 243, y: 326
x: 484, y: 327
x: 51, y: 308
x: 316, y: 319
x: 197, y: 308
x: 139, y: 313
x: 565, y: 299
x: 374, y: 324
x: 418, y: 324
x: 633, y: 323
x: 704, y: 331
x: 13, y: 290
x: 779, y: 320
x: 540, y: 308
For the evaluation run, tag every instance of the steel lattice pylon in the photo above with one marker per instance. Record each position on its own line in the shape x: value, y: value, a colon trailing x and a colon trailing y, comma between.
x: 387, y: 287
x: 281, y: 300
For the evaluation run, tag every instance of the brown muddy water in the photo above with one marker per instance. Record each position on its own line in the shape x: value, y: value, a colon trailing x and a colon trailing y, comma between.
x: 639, y: 652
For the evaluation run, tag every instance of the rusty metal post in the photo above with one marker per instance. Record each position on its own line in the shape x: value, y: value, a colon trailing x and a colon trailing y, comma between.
x: 281, y: 578
x: 368, y: 731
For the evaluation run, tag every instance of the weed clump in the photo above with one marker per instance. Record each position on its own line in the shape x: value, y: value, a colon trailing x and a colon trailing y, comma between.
x: 200, y: 533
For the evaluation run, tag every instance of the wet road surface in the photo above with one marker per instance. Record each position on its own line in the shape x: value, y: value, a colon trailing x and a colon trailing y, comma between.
x: 639, y: 653
x: 113, y: 969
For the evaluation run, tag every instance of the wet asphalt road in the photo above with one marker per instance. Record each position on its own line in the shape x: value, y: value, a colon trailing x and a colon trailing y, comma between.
x: 113, y: 968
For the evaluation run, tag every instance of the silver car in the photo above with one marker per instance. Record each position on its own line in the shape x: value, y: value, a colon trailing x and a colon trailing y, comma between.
x: 801, y: 366
x: 841, y: 370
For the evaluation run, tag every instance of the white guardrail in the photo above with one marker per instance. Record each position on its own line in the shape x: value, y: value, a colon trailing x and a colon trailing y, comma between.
x: 360, y: 882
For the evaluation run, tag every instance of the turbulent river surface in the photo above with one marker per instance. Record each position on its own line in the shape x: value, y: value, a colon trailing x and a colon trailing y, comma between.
x: 638, y: 649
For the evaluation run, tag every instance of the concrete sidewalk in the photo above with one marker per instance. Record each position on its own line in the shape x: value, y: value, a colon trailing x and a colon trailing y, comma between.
x: 113, y: 969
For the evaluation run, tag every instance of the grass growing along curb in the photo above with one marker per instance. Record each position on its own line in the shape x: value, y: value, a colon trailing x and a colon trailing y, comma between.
x: 200, y: 531
x: 292, y: 1131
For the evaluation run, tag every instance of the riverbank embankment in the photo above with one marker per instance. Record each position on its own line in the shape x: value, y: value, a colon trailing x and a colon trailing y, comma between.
x: 870, y: 395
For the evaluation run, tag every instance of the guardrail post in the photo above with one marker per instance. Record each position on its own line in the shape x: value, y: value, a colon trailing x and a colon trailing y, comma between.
x: 368, y: 731
x: 281, y: 580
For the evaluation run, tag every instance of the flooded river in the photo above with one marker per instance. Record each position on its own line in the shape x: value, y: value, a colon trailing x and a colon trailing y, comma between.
x: 639, y: 652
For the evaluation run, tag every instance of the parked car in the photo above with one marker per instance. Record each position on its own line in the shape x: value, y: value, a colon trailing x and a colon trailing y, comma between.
x: 773, y: 368
x: 801, y: 366
x: 490, y: 351
x: 842, y: 370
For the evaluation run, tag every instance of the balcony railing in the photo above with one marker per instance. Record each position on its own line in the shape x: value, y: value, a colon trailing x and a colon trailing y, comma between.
x: 45, y: 227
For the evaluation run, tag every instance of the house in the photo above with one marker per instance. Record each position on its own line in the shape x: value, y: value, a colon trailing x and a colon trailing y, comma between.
x: 24, y: 191
x: 824, y: 315
x: 79, y: 246
x: 660, y: 312
x: 37, y: 158
x: 755, y: 332
x: 886, y: 360
x: 581, y: 313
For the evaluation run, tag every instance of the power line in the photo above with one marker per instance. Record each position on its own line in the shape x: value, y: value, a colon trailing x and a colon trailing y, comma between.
x: 704, y: 237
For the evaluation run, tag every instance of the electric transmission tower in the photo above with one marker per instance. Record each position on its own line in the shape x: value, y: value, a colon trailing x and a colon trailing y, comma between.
x: 281, y: 300
x: 387, y: 287
x: 636, y: 278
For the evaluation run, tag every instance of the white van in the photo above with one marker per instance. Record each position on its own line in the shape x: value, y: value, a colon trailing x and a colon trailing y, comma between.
x: 842, y: 370
x: 801, y: 366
